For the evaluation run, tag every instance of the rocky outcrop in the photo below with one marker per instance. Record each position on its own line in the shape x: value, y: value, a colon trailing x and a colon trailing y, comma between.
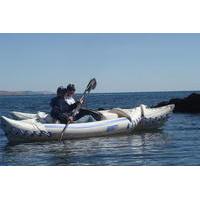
x: 190, y: 104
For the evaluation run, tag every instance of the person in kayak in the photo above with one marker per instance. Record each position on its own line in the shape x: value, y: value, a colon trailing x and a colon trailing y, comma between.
x: 61, y: 105
x: 60, y: 94
x: 55, y: 103
x: 65, y: 104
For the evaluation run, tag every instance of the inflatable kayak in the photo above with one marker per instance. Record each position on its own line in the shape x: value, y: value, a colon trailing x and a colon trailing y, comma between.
x: 37, y: 128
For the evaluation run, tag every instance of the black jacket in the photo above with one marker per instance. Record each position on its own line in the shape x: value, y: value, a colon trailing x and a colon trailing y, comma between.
x: 60, y: 108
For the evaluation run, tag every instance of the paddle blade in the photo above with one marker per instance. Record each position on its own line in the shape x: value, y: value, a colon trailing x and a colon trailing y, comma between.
x: 92, y: 85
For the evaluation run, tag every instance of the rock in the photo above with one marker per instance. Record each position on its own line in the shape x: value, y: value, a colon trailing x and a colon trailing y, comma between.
x: 190, y: 104
x: 100, y: 109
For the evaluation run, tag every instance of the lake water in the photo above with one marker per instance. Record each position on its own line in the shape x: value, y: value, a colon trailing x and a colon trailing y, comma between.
x: 177, y: 143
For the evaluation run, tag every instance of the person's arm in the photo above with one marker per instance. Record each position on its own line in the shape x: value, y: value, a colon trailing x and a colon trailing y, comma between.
x: 65, y: 117
x: 55, y: 111
x: 56, y: 107
x: 65, y: 112
x: 74, y: 106
x: 52, y: 103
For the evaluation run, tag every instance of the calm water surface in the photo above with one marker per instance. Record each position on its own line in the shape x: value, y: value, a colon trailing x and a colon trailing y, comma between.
x: 177, y: 143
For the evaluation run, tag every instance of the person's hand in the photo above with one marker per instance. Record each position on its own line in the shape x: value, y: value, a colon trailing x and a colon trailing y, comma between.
x: 81, y: 101
x: 71, y: 119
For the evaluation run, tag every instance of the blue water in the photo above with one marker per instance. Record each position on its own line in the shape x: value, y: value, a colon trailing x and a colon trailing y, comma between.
x: 177, y: 143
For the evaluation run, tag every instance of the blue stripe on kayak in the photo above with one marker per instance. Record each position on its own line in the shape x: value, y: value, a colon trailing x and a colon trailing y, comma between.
x: 77, y: 126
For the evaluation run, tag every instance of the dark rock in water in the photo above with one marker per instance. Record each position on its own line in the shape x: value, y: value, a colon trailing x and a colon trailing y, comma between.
x: 100, y: 109
x: 190, y: 104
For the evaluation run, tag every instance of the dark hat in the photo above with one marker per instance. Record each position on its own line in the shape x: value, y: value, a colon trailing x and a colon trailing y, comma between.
x: 71, y: 87
x: 60, y: 91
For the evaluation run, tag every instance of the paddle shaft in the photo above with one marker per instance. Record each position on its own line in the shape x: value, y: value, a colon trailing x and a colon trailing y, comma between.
x: 91, y: 86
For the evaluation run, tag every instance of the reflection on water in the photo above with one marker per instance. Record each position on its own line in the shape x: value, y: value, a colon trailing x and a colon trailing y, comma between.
x: 120, y: 150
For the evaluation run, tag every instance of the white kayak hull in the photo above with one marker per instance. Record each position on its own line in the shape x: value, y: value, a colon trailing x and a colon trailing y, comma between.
x: 117, y: 121
x: 17, y: 131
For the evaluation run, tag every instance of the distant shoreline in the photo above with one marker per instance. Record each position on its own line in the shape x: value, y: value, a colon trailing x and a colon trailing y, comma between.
x: 24, y: 93
x: 34, y: 93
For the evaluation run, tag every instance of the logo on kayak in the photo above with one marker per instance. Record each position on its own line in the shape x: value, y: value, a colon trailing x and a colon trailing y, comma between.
x: 112, y: 128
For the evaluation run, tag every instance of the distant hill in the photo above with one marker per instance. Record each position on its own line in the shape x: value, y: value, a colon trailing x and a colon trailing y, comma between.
x: 24, y: 93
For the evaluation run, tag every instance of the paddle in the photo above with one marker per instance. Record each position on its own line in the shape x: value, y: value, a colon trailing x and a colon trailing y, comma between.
x: 91, y: 86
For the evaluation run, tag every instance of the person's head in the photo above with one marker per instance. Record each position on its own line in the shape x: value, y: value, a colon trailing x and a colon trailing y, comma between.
x: 70, y: 91
x: 61, y: 91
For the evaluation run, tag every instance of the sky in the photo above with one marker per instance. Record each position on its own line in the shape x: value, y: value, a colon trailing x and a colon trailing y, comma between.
x: 119, y: 62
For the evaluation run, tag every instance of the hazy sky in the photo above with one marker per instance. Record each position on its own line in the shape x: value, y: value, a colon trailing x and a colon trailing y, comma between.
x: 120, y: 62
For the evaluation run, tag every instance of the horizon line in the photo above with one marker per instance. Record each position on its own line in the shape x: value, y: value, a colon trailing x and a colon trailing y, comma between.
x: 51, y: 92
